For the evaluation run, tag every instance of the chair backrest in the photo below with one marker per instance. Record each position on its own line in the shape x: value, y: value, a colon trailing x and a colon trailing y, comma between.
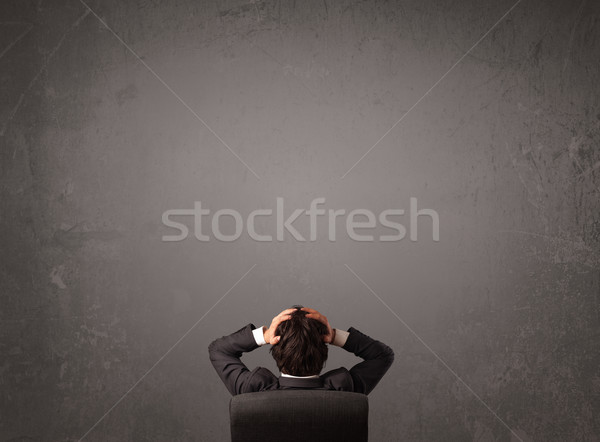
x: 299, y: 415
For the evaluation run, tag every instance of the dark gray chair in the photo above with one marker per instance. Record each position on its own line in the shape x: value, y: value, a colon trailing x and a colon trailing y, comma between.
x: 299, y: 416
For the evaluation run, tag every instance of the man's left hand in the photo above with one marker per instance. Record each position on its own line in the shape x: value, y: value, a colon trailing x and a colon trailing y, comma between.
x: 312, y: 313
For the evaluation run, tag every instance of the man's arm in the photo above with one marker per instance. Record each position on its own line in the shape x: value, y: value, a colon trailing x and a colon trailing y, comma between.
x: 377, y: 356
x: 225, y: 354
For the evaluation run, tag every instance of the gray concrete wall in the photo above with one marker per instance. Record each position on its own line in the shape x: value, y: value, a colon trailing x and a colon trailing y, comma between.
x: 94, y: 148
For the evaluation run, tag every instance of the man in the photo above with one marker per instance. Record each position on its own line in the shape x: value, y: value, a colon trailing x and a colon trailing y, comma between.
x: 298, y: 337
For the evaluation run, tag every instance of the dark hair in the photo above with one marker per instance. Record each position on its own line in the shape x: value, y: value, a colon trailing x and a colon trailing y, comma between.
x: 301, y: 350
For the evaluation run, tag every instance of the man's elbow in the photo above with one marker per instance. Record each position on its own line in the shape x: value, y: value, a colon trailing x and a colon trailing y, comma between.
x: 213, y: 349
x: 388, y: 356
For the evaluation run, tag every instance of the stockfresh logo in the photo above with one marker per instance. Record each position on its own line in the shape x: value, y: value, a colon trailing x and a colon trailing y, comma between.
x: 360, y: 224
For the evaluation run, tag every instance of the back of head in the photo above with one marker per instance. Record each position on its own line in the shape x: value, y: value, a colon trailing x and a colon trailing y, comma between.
x: 301, y: 350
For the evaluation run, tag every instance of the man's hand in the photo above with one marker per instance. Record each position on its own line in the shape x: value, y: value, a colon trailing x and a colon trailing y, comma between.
x: 312, y: 313
x: 269, y: 334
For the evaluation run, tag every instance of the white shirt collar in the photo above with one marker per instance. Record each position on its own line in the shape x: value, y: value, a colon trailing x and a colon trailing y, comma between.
x: 284, y: 375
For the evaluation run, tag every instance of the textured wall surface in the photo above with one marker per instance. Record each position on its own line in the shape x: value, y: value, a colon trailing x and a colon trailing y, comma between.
x: 114, y: 112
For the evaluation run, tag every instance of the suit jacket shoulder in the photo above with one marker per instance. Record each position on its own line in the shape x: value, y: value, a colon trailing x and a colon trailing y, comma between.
x: 260, y: 379
x: 338, y: 379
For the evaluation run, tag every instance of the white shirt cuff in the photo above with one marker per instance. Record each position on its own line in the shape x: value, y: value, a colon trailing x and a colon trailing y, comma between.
x: 259, y: 336
x: 341, y: 336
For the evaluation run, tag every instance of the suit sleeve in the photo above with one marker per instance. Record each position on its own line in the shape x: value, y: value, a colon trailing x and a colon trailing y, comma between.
x: 377, y: 356
x: 225, y: 354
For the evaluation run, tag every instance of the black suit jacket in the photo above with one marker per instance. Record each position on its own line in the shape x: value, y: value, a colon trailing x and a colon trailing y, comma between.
x: 225, y: 354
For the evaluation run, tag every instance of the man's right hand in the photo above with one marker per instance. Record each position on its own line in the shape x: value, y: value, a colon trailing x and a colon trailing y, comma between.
x: 269, y: 334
